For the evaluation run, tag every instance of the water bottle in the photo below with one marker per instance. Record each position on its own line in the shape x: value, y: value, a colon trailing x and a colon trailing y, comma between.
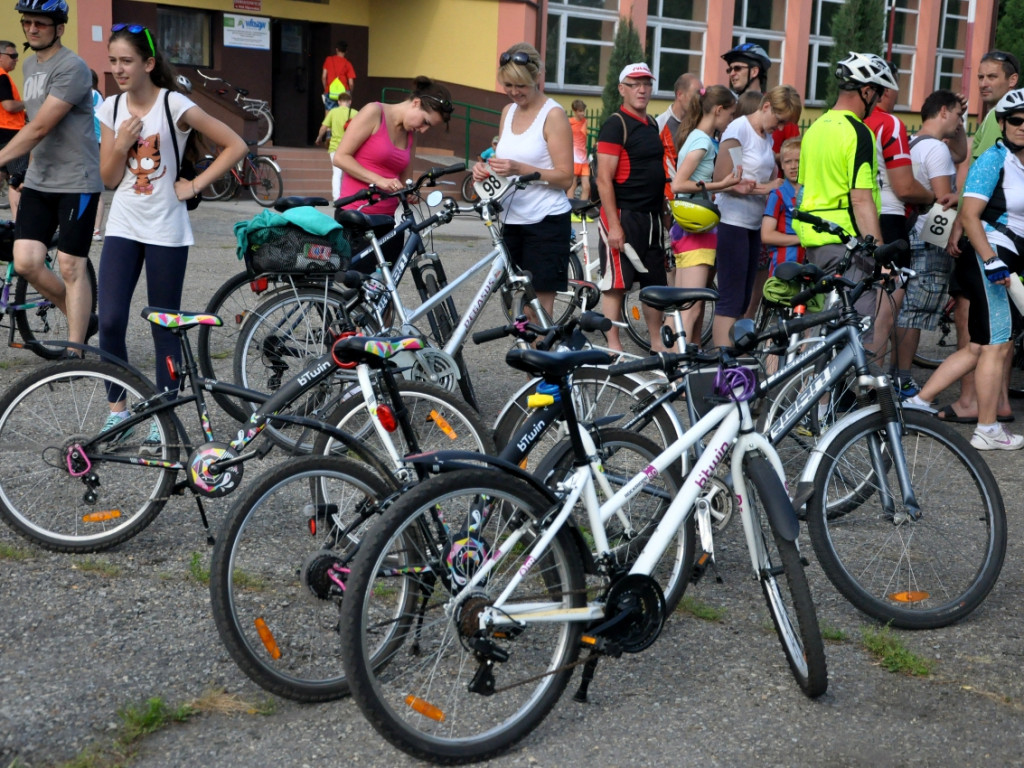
x: 1016, y: 292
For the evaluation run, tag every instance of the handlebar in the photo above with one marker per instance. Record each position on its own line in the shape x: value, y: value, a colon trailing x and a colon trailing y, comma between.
x: 524, y: 330
x: 428, y: 178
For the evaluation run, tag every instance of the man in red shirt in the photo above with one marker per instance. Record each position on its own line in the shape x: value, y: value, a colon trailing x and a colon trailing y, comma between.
x: 338, y: 75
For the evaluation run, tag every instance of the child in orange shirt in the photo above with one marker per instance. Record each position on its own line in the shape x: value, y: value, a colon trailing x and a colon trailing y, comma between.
x: 581, y: 169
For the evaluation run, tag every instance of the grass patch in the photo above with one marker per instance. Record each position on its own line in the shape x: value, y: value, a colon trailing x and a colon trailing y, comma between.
x: 11, y: 552
x: 892, y: 654
x: 197, y: 570
x: 101, y: 567
x: 218, y: 701
x: 699, y: 610
x: 832, y: 633
x: 245, y: 580
x: 139, y: 721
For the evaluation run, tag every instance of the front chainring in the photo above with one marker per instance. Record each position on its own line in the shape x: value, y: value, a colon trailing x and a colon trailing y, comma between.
x: 207, y: 483
x: 639, y: 601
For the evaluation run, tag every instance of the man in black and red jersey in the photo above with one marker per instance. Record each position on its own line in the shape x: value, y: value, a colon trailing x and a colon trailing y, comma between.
x: 631, y: 183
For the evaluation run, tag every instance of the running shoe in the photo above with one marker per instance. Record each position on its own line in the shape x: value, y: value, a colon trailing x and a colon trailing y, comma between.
x: 1001, y: 441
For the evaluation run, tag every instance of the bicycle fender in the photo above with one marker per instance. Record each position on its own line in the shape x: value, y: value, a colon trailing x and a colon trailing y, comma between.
x: 805, y: 484
x: 449, y: 461
x: 779, y: 508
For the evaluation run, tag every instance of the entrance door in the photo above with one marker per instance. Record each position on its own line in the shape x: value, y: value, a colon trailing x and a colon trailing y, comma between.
x: 298, y: 108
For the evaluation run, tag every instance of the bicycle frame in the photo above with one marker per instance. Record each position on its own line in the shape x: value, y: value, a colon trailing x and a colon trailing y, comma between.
x: 734, y: 433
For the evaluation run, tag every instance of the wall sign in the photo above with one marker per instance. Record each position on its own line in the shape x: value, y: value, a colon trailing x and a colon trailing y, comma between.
x: 246, y: 32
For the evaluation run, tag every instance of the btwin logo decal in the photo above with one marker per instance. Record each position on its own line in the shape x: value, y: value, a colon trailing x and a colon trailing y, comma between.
x: 523, y: 444
x: 705, y: 474
x: 308, y: 376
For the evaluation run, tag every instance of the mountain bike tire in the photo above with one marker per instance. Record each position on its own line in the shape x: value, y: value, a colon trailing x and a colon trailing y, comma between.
x: 41, y: 417
x: 914, y: 574
x: 407, y: 665
x: 788, y: 599
x: 263, y: 180
x: 221, y: 187
x: 44, y: 323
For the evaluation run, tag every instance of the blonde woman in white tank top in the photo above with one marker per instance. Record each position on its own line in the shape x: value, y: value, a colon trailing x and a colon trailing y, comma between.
x: 534, y: 136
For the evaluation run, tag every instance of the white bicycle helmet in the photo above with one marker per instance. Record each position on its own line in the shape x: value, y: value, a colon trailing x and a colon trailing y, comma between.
x: 184, y: 83
x: 1012, y: 102
x: 860, y: 69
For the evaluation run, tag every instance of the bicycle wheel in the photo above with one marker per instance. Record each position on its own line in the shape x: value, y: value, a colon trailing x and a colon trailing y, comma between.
x: 789, y: 600
x: 40, y: 321
x: 263, y: 180
x: 444, y: 318
x: 624, y: 455
x: 46, y: 413
x: 914, y: 574
x: 278, y: 339
x: 406, y: 631
x: 278, y: 569
x: 219, y: 188
x: 5, y: 202
x: 439, y: 419
x: 567, y: 302
x: 636, y: 325
x: 264, y: 124
x: 598, y: 394
x: 938, y: 344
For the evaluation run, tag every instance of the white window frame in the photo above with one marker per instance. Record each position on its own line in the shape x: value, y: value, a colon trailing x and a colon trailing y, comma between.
x: 949, y: 55
x: 742, y: 34
x: 559, y: 14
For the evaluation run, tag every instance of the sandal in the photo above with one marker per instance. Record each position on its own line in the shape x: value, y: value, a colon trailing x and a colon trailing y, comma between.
x: 948, y: 414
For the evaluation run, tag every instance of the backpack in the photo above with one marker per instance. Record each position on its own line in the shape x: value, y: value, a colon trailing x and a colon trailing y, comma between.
x: 595, y: 196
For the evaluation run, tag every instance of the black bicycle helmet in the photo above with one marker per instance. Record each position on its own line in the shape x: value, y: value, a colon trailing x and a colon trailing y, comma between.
x: 750, y: 53
x: 55, y: 9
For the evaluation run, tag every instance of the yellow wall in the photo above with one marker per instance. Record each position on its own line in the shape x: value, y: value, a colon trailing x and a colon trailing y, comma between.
x: 450, y: 40
x: 10, y: 29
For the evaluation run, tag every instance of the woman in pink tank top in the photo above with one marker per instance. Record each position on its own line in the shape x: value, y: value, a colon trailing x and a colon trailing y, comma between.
x: 378, y: 144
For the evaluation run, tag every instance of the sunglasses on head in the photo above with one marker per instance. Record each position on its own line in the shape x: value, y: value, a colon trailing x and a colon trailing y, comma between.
x: 137, y: 29
x: 1002, y: 58
x: 519, y: 57
x: 1015, y: 120
x: 443, y: 105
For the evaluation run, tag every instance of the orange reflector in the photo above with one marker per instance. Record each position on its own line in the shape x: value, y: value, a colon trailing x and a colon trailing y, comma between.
x: 444, y: 426
x: 909, y: 596
x: 635, y: 312
x: 524, y: 462
x: 704, y: 557
x: 386, y: 417
x: 102, y: 516
x: 425, y: 708
x: 588, y: 640
x: 267, y: 637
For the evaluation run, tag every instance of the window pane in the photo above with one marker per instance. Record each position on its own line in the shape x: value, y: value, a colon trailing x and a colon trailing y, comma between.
x: 684, y: 9
x: 184, y: 36
x: 582, y: 64
x: 670, y: 67
x: 681, y: 38
x: 586, y: 29
x: 610, y: 5
x: 759, y: 14
x: 554, y: 45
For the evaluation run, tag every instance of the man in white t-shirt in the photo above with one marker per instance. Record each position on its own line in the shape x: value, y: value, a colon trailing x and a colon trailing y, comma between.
x: 941, y: 116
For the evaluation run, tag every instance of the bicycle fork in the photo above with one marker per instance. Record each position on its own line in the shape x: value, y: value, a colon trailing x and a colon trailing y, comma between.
x: 894, y: 438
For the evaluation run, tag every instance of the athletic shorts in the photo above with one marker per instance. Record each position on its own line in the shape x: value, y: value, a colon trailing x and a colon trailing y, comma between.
x: 643, y: 233
x: 895, y: 228
x: 16, y: 167
x: 988, y: 321
x: 927, y: 292
x: 542, y: 249
x: 694, y: 249
x: 581, y: 169
x: 40, y: 213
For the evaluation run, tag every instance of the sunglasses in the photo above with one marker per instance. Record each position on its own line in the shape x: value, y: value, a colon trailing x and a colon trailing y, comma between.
x: 1002, y: 58
x: 639, y: 84
x: 136, y: 29
x: 1015, y: 120
x: 737, y: 68
x: 12, y: 55
x: 443, y: 105
x: 519, y: 57
x: 29, y: 23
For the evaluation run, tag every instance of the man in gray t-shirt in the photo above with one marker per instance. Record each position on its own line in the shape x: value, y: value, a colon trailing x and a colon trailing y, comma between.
x: 62, y: 185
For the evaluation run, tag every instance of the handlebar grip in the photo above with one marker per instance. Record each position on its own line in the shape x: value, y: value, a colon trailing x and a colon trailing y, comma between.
x: 353, y: 278
x: 786, y: 328
x: 341, y: 202
x: 529, y: 177
x: 456, y: 168
x: 650, y: 363
x: 492, y: 334
x: 821, y: 225
x: 888, y: 253
x: 595, y: 321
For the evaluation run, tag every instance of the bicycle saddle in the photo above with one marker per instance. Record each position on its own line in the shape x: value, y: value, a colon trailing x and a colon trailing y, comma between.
x: 554, y: 366
x: 375, y: 351
x: 583, y: 206
x: 791, y: 271
x: 668, y: 298
x: 172, y: 318
x: 359, y: 223
x: 294, y: 201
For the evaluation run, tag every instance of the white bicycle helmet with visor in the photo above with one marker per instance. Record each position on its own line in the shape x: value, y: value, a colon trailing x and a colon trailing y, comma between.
x: 860, y: 69
x: 1012, y: 101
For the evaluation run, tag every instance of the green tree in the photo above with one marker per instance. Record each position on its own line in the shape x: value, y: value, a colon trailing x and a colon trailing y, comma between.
x: 857, y: 26
x: 1011, y: 22
x: 626, y: 50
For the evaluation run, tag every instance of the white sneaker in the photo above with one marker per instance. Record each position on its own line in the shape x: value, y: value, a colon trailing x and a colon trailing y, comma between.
x: 96, y: 235
x: 1001, y: 441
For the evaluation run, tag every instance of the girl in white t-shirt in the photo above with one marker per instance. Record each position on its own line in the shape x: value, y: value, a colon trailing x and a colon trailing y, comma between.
x: 709, y: 112
x: 148, y: 225
x: 739, y: 233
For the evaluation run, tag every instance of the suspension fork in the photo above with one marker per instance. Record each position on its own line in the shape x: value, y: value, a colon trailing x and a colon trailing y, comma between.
x: 894, y: 437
